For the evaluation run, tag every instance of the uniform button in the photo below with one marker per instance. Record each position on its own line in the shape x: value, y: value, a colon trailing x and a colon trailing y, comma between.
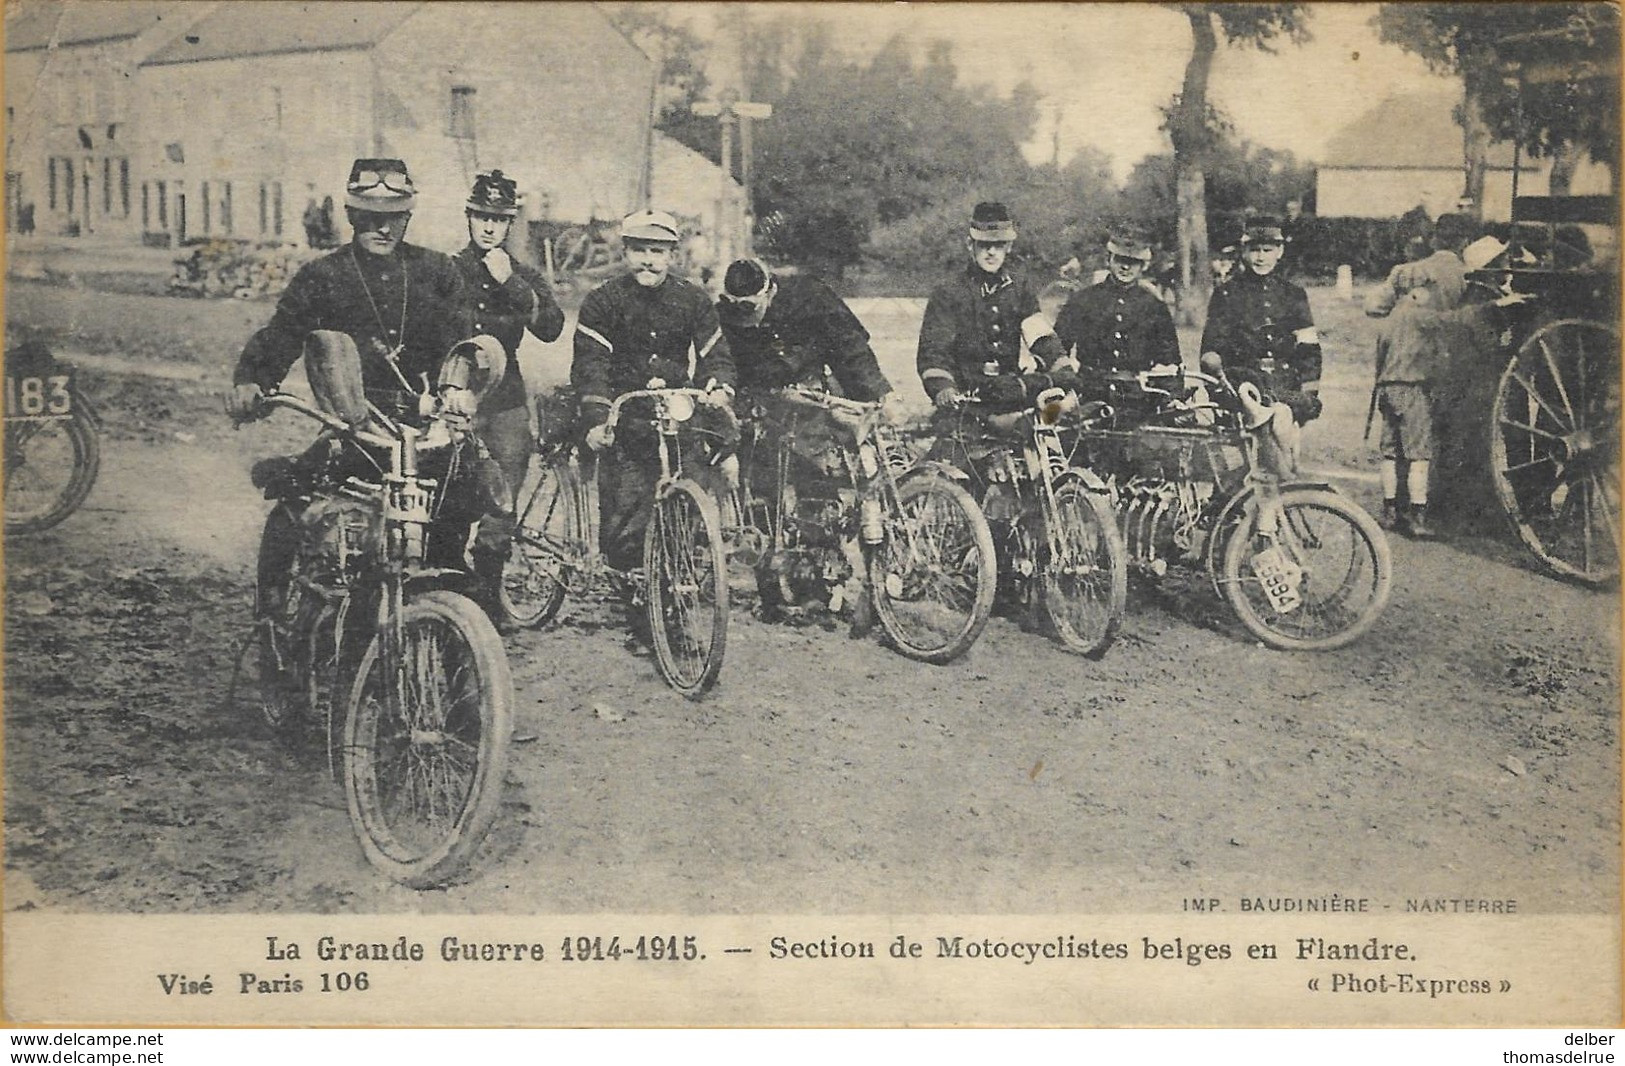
x: 1117, y: 336
x: 384, y: 276
x: 391, y: 333
x: 995, y: 327
x: 482, y: 306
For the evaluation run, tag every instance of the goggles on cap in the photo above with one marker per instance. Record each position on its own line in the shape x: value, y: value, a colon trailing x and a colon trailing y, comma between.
x: 393, y: 180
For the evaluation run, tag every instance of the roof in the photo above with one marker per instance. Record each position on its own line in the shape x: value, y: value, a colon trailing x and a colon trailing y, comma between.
x: 31, y: 25
x: 272, y: 27
x: 1412, y: 130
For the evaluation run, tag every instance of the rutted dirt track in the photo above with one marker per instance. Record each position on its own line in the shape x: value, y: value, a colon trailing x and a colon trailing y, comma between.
x: 1468, y: 746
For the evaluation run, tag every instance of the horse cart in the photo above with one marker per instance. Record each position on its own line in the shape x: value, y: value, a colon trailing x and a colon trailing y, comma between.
x: 1553, y: 433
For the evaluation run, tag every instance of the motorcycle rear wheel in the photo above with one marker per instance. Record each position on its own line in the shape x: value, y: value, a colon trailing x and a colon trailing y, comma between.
x: 50, y: 467
x: 530, y: 592
x: 426, y: 741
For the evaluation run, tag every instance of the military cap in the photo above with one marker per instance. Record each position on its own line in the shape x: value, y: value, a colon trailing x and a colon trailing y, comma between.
x: 380, y: 186
x: 991, y: 221
x: 494, y: 193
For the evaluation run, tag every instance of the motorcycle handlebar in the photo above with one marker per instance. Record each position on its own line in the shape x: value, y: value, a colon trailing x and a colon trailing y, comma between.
x: 338, y: 425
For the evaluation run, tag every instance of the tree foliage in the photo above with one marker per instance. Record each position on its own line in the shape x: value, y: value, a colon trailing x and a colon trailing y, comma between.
x: 1544, y: 117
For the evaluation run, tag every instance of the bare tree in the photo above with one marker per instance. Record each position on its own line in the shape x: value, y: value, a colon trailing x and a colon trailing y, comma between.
x: 1195, y: 128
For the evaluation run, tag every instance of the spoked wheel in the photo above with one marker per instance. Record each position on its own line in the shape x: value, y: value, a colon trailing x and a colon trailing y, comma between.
x: 687, y: 570
x: 1083, y: 577
x: 282, y: 697
x: 426, y: 740
x: 1319, y: 583
x: 1554, y: 448
x: 934, y: 575
x: 50, y: 466
x: 533, y: 577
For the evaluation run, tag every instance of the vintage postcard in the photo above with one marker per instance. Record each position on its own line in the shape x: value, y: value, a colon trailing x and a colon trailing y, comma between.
x: 643, y: 514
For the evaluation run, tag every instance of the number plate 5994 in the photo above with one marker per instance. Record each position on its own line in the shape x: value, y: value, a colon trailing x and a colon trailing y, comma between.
x: 1280, y: 577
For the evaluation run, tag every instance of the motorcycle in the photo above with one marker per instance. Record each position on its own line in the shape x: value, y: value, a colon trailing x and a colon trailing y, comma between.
x: 357, y: 633
x: 1203, y: 474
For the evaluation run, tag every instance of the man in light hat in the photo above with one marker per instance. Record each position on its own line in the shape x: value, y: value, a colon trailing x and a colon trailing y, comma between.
x: 977, y: 321
x: 505, y: 298
x: 1260, y: 324
x: 1121, y: 323
x: 642, y: 326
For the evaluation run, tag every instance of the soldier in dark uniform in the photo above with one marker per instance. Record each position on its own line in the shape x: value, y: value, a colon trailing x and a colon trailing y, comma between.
x: 1120, y: 324
x: 402, y: 305
x: 644, y: 325
x: 793, y: 330
x: 1259, y: 323
x: 972, y: 334
x: 505, y: 299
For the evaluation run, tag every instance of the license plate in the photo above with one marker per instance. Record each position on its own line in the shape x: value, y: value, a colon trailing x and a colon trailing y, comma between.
x: 41, y: 396
x: 1280, y: 577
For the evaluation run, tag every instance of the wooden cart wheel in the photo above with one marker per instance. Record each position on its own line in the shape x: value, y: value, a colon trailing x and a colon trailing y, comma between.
x: 1554, y: 447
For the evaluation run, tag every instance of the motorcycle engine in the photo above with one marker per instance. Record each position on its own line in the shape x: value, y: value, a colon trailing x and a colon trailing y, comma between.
x: 1161, y: 520
x: 338, y: 536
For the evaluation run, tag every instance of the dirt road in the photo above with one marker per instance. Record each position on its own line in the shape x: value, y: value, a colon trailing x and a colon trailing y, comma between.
x: 1469, y: 746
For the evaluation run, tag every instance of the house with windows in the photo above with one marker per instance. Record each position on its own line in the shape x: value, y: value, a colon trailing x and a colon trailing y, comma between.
x: 1409, y: 151
x: 70, y: 70
x: 231, y: 118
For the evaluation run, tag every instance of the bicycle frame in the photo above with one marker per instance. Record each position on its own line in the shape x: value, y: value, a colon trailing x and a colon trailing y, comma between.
x: 578, y: 543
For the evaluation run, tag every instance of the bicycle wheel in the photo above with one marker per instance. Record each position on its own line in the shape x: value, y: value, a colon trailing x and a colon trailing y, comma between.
x: 1554, y: 448
x: 426, y: 740
x: 1319, y: 583
x: 532, y: 587
x: 50, y: 466
x: 934, y: 575
x: 688, y: 588
x: 1083, y: 572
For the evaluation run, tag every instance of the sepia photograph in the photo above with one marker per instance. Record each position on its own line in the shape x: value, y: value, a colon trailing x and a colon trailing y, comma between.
x: 628, y: 514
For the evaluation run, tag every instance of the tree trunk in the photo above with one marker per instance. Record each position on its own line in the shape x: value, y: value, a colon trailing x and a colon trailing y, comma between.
x: 1564, y: 162
x: 1475, y: 151
x: 1188, y: 129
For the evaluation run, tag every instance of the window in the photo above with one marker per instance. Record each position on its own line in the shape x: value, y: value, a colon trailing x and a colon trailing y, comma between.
x: 163, y: 205
x: 461, y: 123
x: 50, y: 182
x: 276, y: 207
x: 265, y: 204
x: 67, y: 166
x: 273, y: 106
x: 225, y: 207
x: 107, y: 185
x: 208, y: 215
x: 124, y: 187
x: 146, y: 207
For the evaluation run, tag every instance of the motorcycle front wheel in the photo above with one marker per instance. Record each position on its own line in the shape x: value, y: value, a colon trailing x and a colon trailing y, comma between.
x: 1319, y: 584
x: 50, y: 467
x: 687, y: 569
x: 1083, y: 571
x: 934, y: 575
x: 426, y: 740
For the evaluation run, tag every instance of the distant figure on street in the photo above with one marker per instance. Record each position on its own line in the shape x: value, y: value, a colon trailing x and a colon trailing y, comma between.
x: 312, y: 220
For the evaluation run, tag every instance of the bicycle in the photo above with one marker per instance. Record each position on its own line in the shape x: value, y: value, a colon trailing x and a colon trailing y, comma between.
x: 52, y: 441
x: 357, y: 614
x: 912, y: 537
x: 1213, y: 485
x: 1060, y: 548
x: 556, y: 549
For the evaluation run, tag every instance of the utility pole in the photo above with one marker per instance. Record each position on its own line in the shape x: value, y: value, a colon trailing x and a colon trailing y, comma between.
x: 730, y: 111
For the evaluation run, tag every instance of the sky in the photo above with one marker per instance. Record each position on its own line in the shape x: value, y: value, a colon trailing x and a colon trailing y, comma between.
x: 1104, y: 69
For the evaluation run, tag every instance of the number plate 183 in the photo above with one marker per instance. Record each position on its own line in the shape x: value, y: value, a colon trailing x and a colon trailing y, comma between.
x: 48, y: 396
